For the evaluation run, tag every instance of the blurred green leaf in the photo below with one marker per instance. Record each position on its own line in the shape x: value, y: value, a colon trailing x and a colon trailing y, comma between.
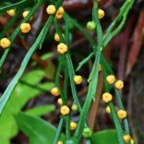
x: 28, y: 88
x: 38, y: 130
x: 40, y: 110
x: 50, y: 69
x: 105, y: 137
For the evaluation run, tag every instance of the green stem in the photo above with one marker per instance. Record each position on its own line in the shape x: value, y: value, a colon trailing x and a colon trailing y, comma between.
x: 109, y: 35
x: 58, y: 132
x: 117, y: 123
x: 67, y: 129
x: 94, y: 81
x: 81, y: 29
x: 60, y: 65
x: 107, y: 68
x: 84, y: 61
x: 11, y: 6
x: 7, y: 93
x: 16, y: 31
x: 66, y: 80
x: 71, y: 76
x: 117, y: 19
x: 10, y: 24
x: 69, y: 64
x: 112, y: 108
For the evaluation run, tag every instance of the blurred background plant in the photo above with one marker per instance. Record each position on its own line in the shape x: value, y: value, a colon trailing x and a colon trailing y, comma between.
x: 32, y: 93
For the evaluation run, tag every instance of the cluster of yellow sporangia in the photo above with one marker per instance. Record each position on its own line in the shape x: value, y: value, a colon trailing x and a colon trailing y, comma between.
x: 107, y: 97
x: 51, y: 10
x: 24, y: 27
x: 110, y: 79
x: 62, y: 48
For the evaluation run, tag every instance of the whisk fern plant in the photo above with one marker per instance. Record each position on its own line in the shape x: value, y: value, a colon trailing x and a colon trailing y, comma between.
x: 74, y: 131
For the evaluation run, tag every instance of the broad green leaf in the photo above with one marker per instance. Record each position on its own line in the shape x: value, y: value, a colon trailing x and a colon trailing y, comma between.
x: 40, y: 110
x: 50, y: 69
x: 105, y: 137
x: 38, y: 130
x: 28, y: 88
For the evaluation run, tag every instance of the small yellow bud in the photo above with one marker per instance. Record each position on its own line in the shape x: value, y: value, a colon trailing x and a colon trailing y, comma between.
x: 101, y: 13
x: 57, y: 37
x: 78, y: 79
x: 5, y: 43
x: 64, y: 110
x: 106, y: 97
x: 11, y: 12
x: 122, y: 114
x: 51, y: 9
x: 25, y: 13
x: 58, y: 16
x: 55, y: 91
x: 62, y: 48
x: 59, y: 142
x: 126, y: 138
x: 119, y: 84
x: 25, y: 27
x: 131, y: 141
x: 59, y: 101
x: 108, y: 109
x: 110, y: 79
x: 73, y: 125
x: 99, y: 67
x: 60, y: 11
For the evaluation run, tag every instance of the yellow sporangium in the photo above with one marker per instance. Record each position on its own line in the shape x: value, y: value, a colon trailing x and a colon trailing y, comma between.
x: 51, y: 9
x: 122, y: 114
x: 119, y: 84
x: 64, y: 110
x: 59, y: 142
x: 106, y: 97
x: 101, y: 13
x: 25, y: 13
x: 59, y: 13
x: 99, y: 67
x: 5, y: 43
x: 57, y: 37
x: 25, y: 27
x: 58, y: 16
x: 60, y: 10
x: 55, y: 91
x: 59, y: 101
x: 78, y: 79
x: 108, y: 109
x: 131, y: 141
x: 126, y: 137
x: 11, y: 12
x: 110, y: 79
x: 73, y: 125
x: 62, y: 48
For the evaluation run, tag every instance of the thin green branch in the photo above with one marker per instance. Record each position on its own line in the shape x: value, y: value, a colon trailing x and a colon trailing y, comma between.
x: 59, y: 130
x: 112, y: 108
x: 23, y: 2
x: 17, y: 30
x: 7, y: 93
x: 94, y: 81
x: 10, y: 24
x: 110, y: 34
